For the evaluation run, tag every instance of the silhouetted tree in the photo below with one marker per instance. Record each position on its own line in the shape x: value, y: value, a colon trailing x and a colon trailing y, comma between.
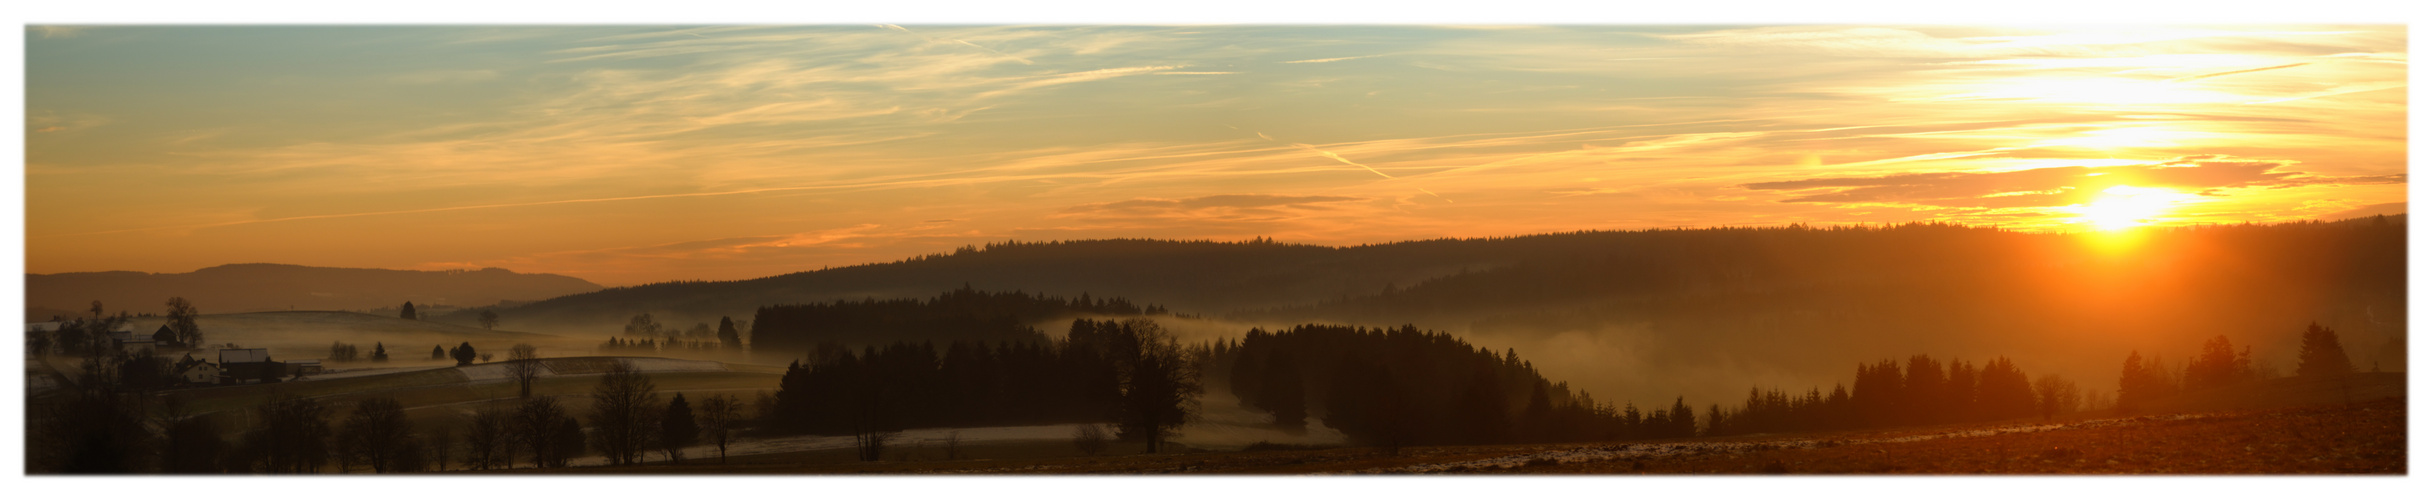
x: 290, y: 435
x: 438, y: 353
x: 182, y: 328
x: 464, y: 354
x: 2138, y: 383
x: 488, y: 319
x: 719, y: 416
x: 192, y: 445
x: 538, y: 426
x: 523, y: 365
x: 379, y: 353
x: 342, y: 352
x: 442, y: 446
x: 1161, y: 389
x: 642, y: 325
x: 406, y: 311
x: 728, y: 337
x: 2319, y: 353
x: 623, y: 413
x: 490, y: 439
x: 2005, y: 392
x: 1285, y: 394
x: 2219, y: 364
x: 1090, y: 439
x: 377, y: 434
x: 677, y: 429
x: 569, y: 442
x: 2056, y: 395
x: 89, y: 426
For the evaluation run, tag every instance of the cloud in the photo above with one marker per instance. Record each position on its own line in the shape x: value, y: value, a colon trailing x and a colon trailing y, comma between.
x: 2057, y: 186
x: 56, y: 31
x: 2394, y: 208
x: 1225, y: 207
x: 44, y: 122
x: 445, y: 76
x: 1326, y: 60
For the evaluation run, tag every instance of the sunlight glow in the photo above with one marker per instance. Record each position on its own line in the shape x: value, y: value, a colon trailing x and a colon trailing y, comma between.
x: 2123, y: 207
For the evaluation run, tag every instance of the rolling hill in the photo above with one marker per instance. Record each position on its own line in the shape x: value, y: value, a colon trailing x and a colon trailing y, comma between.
x: 281, y: 287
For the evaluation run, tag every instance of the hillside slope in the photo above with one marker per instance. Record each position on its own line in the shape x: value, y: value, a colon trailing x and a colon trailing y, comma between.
x: 281, y: 287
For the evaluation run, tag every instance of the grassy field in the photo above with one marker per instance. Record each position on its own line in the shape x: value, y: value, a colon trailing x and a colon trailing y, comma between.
x: 2365, y: 438
x: 433, y: 396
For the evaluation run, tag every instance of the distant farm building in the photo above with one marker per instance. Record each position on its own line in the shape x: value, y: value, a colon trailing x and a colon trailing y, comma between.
x: 195, y: 371
x: 304, y: 366
x: 126, y: 341
x: 243, y: 365
x: 234, y: 356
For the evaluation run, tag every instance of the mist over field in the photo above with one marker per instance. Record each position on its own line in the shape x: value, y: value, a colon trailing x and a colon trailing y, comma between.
x: 1704, y: 314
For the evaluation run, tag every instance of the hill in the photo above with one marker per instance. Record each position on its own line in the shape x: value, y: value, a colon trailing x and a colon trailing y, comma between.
x: 1644, y: 315
x: 281, y: 287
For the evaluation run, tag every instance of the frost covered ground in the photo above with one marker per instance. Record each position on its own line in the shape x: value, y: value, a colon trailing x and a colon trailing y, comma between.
x: 1607, y: 452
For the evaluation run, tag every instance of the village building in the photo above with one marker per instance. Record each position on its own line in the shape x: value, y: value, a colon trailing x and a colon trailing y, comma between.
x: 195, y: 371
x: 249, y: 365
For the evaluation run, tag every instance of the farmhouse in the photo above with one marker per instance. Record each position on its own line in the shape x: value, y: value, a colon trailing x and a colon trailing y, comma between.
x: 195, y: 371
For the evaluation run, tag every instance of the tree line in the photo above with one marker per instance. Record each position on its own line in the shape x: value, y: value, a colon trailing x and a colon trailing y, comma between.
x: 1404, y: 386
x: 1131, y: 372
x: 104, y: 426
x: 960, y: 315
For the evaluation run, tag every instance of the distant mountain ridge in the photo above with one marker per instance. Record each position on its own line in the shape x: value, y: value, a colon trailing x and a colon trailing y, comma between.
x: 235, y: 288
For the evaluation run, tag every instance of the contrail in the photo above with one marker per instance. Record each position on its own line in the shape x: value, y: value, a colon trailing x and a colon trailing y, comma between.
x: 967, y: 44
x: 2227, y: 73
x: 1346, y: 161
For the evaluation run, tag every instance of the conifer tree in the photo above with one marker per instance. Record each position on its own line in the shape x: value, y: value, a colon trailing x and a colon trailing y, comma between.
x: 678, y: 429
x: 2320, y: 353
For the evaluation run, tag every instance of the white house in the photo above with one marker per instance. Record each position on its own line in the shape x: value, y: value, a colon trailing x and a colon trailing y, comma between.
x: 195, y: 371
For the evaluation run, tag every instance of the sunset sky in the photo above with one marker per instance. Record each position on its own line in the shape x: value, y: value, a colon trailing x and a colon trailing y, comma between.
x: 633, y: 154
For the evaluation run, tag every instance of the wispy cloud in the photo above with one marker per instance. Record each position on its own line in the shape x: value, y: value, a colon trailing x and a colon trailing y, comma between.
x: 1330, y: 59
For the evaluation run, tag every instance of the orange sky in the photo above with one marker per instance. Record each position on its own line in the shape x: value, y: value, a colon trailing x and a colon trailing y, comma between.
x: 630, y: 154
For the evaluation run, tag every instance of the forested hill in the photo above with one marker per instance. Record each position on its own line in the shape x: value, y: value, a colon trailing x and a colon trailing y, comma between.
x: 236, y: 288
x: 1453, y: 280
x: 1190, y: 276
x: 963, y: 315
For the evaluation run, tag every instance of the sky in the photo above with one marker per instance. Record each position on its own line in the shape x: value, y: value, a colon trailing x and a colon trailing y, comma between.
x: 636, y: 154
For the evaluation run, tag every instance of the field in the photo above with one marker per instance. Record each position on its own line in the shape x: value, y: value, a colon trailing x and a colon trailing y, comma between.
x: 2367, y: 437
x: 437, y: 396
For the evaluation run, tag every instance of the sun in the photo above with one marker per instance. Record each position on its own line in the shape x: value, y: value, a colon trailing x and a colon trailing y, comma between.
x: 2123, y: 207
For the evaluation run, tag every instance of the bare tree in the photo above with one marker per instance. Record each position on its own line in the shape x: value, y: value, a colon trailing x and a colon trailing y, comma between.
x: 442, y: 444
x: 623, y: 413
x: 489, y: 440
x: 538, y: 424
x: 719, y: 415
x: 1089, y: 438
x: 954, y: 445
x: 377, y: 434
x: 2055, y: 395
x: 290, y: 435
x: 181, y: 323
x: 489, y: 319
x: 523, y: 365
